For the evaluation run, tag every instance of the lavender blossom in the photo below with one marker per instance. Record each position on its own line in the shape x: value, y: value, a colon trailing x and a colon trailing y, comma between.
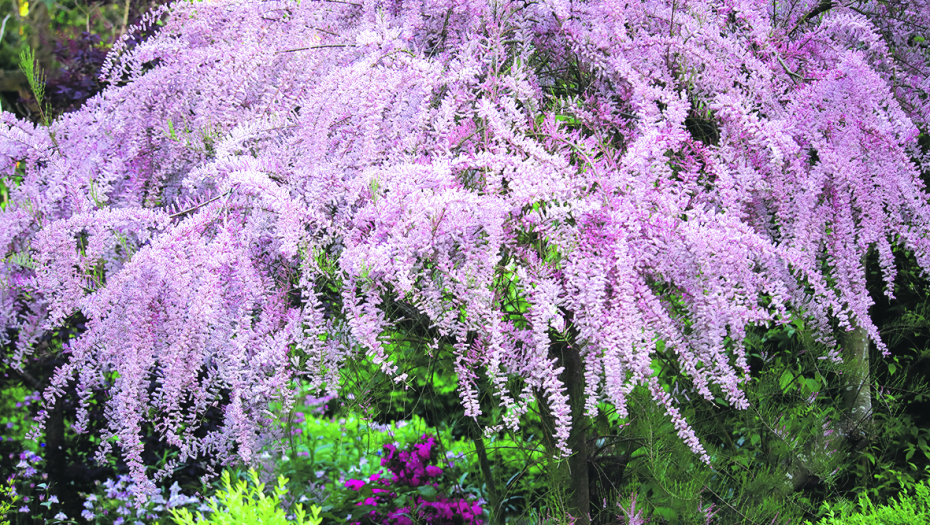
x: 234, y: 210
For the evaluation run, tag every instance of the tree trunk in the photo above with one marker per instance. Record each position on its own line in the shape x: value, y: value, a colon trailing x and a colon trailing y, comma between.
x: 573, y: 472
x: 857, y: 401
x: 857, y: 393
x: 485, y: 464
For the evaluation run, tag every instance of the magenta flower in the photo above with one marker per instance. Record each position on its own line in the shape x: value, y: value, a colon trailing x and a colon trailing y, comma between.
x: 355, y: 484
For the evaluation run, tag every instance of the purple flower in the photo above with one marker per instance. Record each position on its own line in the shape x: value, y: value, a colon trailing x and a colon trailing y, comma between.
x: 355, y: 484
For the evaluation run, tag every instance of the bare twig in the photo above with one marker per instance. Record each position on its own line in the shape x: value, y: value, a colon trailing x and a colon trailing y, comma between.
x: 33, y: 382
x: 3, y: 26
x: 794, y: 76
x: 342, y: 2
x: 122, y: 30
x: 314, y: 47
x: 202, y: 204
x: 734, y: 509
x: 822, y: 7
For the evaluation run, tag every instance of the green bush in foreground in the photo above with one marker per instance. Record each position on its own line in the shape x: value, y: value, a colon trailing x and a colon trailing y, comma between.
x: 907, y: 509
x: 247, y: 503
x: 8, y: 498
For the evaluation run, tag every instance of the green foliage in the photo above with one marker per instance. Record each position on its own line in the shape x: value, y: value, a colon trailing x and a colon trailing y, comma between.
x: 896, y: 457
x: 44, y: 25
x: 36, y: 78
x: 906, y: 509
x: 246, y: 503
x: 322, y: 450
x: 8, y: 498
x: 658, y: 468
x: 771, y: 463
x: 15, y: 404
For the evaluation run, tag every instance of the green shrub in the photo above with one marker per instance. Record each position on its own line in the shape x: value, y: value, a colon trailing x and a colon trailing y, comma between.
x: 245, y: 504
x: 907, y: 509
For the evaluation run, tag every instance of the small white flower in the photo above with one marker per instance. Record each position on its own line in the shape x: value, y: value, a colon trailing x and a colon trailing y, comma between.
x: 61, y: 516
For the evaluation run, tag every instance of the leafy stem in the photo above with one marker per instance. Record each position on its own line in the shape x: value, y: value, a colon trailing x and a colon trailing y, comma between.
x: 36, y: 78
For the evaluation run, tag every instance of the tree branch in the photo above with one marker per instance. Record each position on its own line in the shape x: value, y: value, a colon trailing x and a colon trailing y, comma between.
x: 822, y: 7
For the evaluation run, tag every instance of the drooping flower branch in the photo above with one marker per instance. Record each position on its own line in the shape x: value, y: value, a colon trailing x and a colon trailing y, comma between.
x: 261, y: 179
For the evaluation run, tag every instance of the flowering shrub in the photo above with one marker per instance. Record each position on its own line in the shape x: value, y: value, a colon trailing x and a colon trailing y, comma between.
x: 554, y: 190
x: 27, y: 484
x: 114, y: 503
x: 322, y: 452
x: 328, y: 450
x: 413, y: 492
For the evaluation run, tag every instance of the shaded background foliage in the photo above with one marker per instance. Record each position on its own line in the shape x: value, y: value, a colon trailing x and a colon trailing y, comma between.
x: 71, y: 39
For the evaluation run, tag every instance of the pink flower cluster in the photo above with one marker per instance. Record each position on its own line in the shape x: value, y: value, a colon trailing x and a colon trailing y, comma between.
x: 412, y: 469
x: 442, y: 511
